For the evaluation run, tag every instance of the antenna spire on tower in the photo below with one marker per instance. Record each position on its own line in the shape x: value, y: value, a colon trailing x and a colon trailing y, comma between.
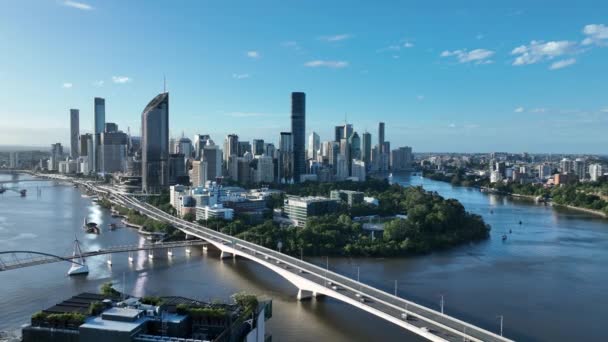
x: 164, y: 84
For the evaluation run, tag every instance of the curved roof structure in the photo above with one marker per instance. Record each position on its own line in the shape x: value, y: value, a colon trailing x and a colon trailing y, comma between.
x: 160, y: 98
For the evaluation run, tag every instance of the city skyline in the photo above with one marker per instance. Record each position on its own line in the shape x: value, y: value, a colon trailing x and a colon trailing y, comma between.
x: 434, y: 93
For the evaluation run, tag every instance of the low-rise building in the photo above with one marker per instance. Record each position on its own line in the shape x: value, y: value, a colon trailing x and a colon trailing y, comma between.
x: 299, y: 209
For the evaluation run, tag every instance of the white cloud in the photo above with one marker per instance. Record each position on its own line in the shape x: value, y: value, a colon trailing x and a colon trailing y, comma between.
x: 604, y: 110
x: 253, y: 54
x: 67, y: 85
x: 596, y: 34
x: 538, y: 110
x: 78, y: 5
x: 240, y: 76
x: 408, y: 45
x: 519, y: 110
x: 538, y: 51
x: 452, y: 125
x: 336, y: 38
x: 98, y: 83
x: 420, y: 97
x: 479, y: 56
x: 121, y: 79
x: 562, y: 64
x: 327, y: 64
x: 479, y: 36
x: 396, y: 47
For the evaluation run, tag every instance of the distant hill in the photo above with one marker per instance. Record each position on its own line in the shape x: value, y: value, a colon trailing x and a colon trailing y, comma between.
x: 20, y: 148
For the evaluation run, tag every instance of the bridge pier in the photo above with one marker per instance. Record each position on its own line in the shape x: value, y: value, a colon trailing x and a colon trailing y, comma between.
x: 304, y: 294
x: 225, y: 255
x: 318, y: 295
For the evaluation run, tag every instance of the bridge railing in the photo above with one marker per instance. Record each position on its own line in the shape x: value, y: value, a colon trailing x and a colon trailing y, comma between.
x: 455, y: 325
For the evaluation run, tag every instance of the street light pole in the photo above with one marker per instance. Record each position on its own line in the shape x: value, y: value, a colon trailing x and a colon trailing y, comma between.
x: 501, y: 321
x: 326, y: 268
x: 441, y: 304
x: 395, y: 288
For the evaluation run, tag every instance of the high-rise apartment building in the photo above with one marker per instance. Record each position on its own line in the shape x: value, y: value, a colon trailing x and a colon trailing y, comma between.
x: 74, y: 132
x: 113, y: 152
x: 401, y: 159
x: 155, y: 144
x: 381, y: 136
x: 298, y: 131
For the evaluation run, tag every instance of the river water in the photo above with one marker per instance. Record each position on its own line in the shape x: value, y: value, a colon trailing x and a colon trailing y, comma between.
x: 549, y: 279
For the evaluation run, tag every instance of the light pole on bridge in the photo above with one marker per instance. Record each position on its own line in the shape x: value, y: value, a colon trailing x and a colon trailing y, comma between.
x: 396, y: 287
x: 501, y: 321
x: 441, y: 304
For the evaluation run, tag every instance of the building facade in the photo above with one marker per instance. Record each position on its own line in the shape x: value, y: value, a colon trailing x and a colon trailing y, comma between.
x: 155, y: 144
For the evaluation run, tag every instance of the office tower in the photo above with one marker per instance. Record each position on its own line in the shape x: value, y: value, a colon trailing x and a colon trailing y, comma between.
x: 113, y: 152
x: 57, y: 150
x: 110, y: 127
x: 334, y: 151
x: 343, y: 132
x: 358, y: 170
x: 269, y: 150
x: 243, y: 147
x: 354, y: 143
x: 99, y: 126
x: 86, y: 153
x: 155, y: 144
x: 264, y: 169
x: 200, y: 140
x: 198, y: 176
x: 298, y: 131
x: 244, y: 170
x: 232, y: 168
x: 341, y: 168
x: 212, y: 155
x: 314, y: 142
x: 74, y: 132
x: 184, y: 146
x: 257, y: 147
x: 285, y: 162
x: 177, y: 169
x: 401, y: 159
x: 345, y: 152
x: 366, y: 148
x: 231, y: 147
x: 381, y: 137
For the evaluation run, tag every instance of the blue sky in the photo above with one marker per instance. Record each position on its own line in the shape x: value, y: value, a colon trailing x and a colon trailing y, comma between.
x: 461, y: 76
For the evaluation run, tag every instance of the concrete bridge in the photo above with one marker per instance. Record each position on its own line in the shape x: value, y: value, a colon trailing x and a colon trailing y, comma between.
x: 313, y: 281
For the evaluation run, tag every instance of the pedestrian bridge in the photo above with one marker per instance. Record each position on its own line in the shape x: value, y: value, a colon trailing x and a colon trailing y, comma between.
x: 312, y: 280
x: 10, y: 260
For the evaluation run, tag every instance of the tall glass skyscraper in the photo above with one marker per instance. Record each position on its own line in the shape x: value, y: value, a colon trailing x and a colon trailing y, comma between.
x: 366, y: 148
x: 100, y: 115
x: 74, y: 132
x: 155, y: 144
x: 100, y: 123
x: 298, y: 131
x: 381, y: 136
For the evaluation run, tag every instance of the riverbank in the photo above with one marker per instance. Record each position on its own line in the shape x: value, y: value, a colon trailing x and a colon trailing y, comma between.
x: 536, y: 199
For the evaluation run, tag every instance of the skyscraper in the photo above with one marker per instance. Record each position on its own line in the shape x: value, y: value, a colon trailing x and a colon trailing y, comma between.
x: 258, y: 147
x: 113, y: 152
x: 74, y: 132
x: 212, y: 155
x: 155, y: 144
x: 200, y: 140
x: 381, y: 136
x: 314, y: 142
x: 99, y: 126
x: 285, y: 161
x: 298, y: 131
x: 100, y: 115
x: 231, y: 147
x: 366, y: 148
